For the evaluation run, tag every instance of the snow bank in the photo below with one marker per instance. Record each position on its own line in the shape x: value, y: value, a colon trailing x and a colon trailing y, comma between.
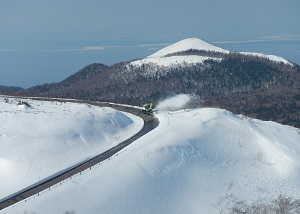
x: 47, y: 137
x: 196, y: 161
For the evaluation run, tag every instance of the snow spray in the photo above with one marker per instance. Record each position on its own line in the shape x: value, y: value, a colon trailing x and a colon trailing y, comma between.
x: 178, y: 102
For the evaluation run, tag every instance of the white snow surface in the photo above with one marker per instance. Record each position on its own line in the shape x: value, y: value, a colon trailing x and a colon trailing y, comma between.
x: 45, y: 138
x: 161, y: 58
x: 172, y: 60
x: 195, y: 161
x: 270, y: 57
x: 187, y: 44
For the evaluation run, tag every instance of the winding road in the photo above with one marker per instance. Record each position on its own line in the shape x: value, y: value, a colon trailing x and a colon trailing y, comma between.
x: 150, y: 123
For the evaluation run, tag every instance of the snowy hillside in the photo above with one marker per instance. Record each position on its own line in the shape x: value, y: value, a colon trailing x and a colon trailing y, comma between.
x: 163, y: 58
x: 196, y: 161
x: 172, y: 61
x: 39, y: 138
x: 185, y: 45
x: 270, y: 57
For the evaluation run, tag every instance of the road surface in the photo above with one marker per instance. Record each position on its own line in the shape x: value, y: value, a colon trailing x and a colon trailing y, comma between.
x: 150, y: 123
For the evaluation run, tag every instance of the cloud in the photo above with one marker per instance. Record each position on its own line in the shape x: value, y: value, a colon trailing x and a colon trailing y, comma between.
x: 153, y: 45
x: 154, y: 35
x: 287, y: 37
x: 92, y: 48
x: 10, y: 50
x: 240, y: 42
x: 154, y: 49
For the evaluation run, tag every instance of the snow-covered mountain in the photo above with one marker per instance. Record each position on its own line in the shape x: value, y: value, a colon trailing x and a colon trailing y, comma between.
x: 167, y: 56
x: 196, y: 161
x: 244, y: 83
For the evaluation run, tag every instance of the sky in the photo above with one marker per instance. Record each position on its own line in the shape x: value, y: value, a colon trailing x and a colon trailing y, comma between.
x: 47, y: 41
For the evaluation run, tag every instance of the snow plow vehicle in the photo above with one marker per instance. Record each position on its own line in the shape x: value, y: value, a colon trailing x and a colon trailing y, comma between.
x: 148, y: 109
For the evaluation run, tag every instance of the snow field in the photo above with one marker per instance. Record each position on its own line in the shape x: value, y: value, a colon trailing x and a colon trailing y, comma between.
x: 195, y: 161
x: 39, y: 141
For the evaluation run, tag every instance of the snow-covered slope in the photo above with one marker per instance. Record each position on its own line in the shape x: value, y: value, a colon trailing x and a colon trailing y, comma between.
x: 270, y: 57
x: 185, y: 45
x: 163, y: 58
x: 172, y: 60
x: 196, y: 161
x: 43, y: 138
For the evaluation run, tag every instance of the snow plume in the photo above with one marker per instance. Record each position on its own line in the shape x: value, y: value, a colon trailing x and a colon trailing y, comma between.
x: 178, y: 102
x: 174, y: 103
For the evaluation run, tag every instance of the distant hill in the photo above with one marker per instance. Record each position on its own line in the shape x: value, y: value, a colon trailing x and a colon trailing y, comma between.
x: 10, y: 89
x: 68, y: 84
x: 262, y: 86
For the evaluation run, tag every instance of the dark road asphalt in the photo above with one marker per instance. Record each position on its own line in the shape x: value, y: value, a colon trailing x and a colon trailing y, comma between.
x: 150, y: 123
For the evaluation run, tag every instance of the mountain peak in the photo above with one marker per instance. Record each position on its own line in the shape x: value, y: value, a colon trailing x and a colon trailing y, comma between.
x: 162, y: 57
x: 187, y: 44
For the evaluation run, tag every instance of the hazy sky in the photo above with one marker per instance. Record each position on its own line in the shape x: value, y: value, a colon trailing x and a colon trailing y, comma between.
x: 44, y: 41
